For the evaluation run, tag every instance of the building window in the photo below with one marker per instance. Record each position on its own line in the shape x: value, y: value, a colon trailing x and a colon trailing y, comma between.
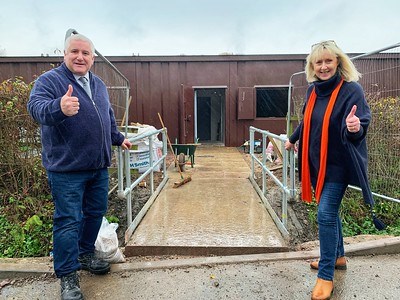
x: 272, y: 102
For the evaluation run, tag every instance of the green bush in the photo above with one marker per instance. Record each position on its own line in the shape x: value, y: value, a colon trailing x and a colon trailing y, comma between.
x: 112, y: 219
x: 356, y: 216
x: 26, y: 208
x: 31, y: 238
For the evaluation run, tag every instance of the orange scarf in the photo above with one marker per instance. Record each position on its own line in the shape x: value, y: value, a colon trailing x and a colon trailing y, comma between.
x: 305, y: 171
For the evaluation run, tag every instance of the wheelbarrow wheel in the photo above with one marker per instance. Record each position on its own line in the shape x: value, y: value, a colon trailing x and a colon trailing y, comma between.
x: 181, y: 162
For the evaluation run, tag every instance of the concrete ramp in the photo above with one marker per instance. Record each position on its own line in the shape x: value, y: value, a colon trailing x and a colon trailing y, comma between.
x: 217, y: 213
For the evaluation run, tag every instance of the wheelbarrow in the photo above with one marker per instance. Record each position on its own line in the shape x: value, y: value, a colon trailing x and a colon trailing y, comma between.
x: 184, y: 152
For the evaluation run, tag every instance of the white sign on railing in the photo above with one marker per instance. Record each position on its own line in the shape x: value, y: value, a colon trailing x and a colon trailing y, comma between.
x: 140, y: 160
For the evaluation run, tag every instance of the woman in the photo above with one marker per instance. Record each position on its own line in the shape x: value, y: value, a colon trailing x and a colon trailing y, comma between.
x: 333, y: 151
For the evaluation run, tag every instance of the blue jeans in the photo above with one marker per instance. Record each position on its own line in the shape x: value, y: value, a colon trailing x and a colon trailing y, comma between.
x: 330, y: 228
x: 80, y: 200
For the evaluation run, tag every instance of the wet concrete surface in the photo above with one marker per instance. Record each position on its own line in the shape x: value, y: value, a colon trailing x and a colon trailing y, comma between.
x: 218, y: 212
x: 367, y: 277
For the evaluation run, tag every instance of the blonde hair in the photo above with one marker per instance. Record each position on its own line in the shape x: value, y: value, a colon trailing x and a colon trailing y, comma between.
x: 345, y: 67
x: 78, y: 37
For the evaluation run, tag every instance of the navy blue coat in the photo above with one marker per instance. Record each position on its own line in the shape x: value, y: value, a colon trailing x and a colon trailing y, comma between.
x: 83, y: 141
x: 347, y: 157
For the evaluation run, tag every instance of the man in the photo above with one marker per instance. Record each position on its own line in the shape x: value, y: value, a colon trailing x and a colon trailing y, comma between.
x: 78, y: 129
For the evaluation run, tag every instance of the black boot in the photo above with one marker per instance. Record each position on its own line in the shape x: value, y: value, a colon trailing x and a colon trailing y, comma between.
x: 94, y: 265
x: 70, y: 289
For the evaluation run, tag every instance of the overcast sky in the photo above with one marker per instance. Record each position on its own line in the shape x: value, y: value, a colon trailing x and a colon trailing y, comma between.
x: 198, y: 27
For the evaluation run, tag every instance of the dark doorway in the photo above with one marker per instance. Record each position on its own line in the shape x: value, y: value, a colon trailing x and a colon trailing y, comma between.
x: 209, y: 115
x: 204, y: 120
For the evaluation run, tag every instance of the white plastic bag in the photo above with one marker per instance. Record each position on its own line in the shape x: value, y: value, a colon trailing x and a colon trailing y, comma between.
x: 106, y: 245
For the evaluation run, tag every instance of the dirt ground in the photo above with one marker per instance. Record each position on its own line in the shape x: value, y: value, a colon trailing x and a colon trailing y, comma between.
x: 299, y: 226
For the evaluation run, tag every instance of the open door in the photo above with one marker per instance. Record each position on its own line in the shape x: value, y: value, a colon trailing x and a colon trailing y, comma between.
x: 187, y: 115
x: 209, y: 114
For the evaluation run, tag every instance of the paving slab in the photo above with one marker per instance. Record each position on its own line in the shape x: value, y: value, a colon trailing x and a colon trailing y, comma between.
x: 367, y: 277
x: 23, y: 267
x: 218, y: 212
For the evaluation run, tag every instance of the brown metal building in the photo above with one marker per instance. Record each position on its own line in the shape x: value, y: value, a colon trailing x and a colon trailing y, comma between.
x: 210, y: 99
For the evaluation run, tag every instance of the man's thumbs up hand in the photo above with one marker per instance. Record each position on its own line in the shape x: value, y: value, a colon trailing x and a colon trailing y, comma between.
x: 69, y: 104
x: 352, y: 121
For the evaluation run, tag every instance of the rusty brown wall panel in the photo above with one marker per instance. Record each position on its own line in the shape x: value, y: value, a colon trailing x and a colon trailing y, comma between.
x: 6, y: 71
x: 27, y: 70
x: 153, y: 104
x: 156, y: 84
x: 143, y: 84
x: 207, y: 73
x: 231, y: 130
x: 171, y: 100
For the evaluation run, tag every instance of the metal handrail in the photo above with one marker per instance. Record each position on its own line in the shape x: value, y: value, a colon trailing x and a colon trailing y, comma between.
x: 125, y: 191
x: 288, y: 191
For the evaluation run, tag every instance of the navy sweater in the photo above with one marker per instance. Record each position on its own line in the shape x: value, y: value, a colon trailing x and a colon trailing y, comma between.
x: 83, y: 141
x: 347, y: 152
